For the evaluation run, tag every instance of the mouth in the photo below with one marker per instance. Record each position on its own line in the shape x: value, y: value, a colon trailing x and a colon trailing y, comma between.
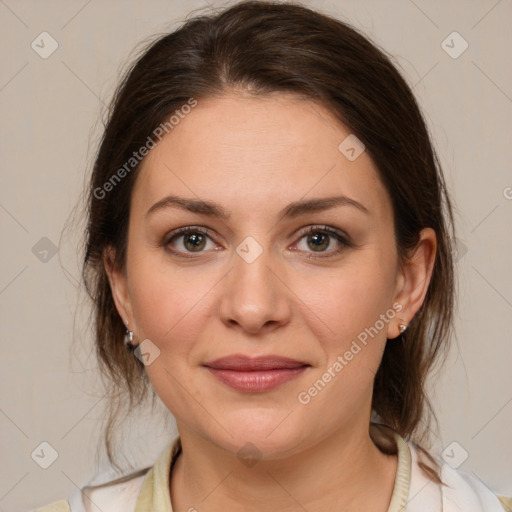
x: 258, y: 374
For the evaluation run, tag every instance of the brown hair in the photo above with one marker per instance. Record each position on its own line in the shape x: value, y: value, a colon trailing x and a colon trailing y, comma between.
x: 262, y: 48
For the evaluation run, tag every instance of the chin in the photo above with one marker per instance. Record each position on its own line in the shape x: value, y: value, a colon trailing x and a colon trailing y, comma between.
x: 272, y: 432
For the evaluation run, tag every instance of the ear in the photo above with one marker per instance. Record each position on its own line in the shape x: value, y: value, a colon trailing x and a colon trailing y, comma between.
x: 413, y: 280
x: 118, y: 286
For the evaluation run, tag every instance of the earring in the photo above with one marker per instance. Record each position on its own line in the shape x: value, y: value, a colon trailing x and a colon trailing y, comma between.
x: 128, y: 338
x: 402, y: 328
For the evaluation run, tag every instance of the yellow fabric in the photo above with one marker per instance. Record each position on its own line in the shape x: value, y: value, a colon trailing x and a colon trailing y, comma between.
x: 58, y: 506
x: 154, y: 494
x: 506, y: 502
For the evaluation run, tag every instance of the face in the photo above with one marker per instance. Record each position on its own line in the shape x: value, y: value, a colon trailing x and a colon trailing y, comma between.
x: 255, y: 281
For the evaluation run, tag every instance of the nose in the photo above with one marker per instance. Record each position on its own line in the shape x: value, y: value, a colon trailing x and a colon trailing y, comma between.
x: 255, y: 297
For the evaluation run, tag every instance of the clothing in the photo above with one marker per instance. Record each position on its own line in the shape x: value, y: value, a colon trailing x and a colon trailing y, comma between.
x: 413, y: 490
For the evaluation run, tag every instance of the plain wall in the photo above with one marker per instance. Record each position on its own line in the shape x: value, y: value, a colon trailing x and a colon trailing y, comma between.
x: 50, y: 126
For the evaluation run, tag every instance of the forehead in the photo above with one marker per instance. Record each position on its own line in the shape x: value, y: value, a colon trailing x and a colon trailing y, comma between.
x: 244, y: 150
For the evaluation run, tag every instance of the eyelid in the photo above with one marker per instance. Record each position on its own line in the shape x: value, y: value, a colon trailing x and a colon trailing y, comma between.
x: 313, y: 228
x: 186, y: 229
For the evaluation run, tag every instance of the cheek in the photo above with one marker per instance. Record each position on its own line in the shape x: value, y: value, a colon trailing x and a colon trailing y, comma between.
x: 171, y: 311
x: 344, y: 313
x: 166, y: 304
x: 346, y: 319
x: 160, y: 297
x: 350, y: 299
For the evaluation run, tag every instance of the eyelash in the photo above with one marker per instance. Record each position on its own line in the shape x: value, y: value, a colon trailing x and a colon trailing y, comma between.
x: 339, y: 236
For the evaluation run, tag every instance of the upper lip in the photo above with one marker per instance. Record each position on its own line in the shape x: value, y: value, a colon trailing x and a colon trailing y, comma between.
x: 242, y: 362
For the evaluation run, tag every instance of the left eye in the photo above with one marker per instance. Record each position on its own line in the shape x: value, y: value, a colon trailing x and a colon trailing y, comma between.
x: 319, y: 239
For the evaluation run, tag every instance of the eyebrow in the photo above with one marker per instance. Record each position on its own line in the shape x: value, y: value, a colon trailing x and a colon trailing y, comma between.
x: 292, y: 210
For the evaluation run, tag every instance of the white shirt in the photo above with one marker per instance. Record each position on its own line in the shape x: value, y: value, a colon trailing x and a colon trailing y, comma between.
x: 413, y: 491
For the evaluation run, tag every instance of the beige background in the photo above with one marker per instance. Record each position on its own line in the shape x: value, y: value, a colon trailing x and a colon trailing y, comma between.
x: 50, y: 125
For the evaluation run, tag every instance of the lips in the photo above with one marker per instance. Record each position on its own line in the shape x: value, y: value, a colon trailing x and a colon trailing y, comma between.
x: 255, y: 374
x: 242, y: 363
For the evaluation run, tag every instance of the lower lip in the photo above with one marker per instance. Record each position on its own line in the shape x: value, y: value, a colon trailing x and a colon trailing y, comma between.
x: 256, y: 381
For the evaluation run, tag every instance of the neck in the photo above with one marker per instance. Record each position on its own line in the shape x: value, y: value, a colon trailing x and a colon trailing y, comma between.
x: 209, y: 478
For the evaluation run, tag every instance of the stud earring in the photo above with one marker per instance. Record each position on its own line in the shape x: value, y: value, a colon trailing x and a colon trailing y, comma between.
x: 402, y: 328
x: 128, y: 338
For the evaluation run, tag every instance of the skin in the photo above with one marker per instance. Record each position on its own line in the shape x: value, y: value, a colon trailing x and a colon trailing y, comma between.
x: 254, y: 156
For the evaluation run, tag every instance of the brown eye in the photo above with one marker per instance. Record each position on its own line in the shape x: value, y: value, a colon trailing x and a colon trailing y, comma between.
x: 186, y: 240
x: 194, y: 241
x: 318, y: 239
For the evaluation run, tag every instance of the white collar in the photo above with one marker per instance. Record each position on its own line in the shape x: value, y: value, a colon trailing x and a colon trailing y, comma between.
x: 463, y: 492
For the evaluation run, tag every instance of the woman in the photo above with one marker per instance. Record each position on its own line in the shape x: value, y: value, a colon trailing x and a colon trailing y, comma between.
x: 269, y: 234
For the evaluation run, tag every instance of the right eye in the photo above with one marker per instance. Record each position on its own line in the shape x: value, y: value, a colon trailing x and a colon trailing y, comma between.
x: 193, y: 240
